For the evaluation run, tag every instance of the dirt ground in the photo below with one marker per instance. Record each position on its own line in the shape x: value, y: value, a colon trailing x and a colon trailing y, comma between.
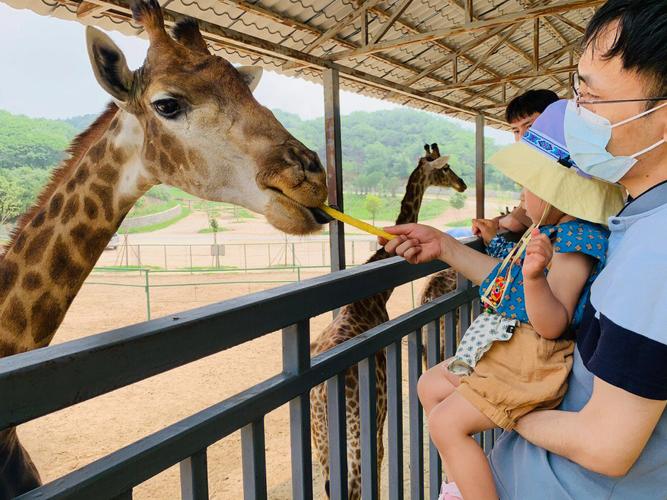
x: 71, y: 438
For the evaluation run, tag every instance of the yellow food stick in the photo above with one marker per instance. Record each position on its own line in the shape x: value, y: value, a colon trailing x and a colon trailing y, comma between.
x: 332, y: 212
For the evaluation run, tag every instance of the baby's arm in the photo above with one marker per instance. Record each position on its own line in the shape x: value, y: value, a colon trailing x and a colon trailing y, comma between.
x: 551, y: 301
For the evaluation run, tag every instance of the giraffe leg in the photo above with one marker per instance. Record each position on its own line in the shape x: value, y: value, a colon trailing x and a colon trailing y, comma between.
x: 18, y: 473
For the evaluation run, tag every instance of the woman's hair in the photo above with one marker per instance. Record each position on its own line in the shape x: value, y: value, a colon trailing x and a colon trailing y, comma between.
x: 533, y: 101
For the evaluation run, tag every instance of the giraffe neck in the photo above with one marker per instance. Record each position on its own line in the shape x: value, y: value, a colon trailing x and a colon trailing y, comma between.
x: 412, y: 200
x: 61, y: 239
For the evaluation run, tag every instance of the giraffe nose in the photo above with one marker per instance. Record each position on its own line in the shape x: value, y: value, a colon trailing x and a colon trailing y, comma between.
x: 314, y: 166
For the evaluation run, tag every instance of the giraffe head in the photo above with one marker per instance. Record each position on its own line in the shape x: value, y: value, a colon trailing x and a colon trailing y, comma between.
x: 201, y: 128
x: 437, y: 171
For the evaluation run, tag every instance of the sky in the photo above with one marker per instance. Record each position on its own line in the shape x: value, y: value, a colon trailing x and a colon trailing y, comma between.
x: 46, y: 73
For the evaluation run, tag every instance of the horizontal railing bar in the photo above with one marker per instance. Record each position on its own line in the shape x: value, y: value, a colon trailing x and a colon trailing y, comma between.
x: 139, y: 461
x: 121, y: 357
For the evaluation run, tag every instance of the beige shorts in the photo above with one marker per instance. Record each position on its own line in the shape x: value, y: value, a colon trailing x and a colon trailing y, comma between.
x: 515, y: 377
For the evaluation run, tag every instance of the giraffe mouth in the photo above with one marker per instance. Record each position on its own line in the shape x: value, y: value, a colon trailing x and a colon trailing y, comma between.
x: 320, y: 216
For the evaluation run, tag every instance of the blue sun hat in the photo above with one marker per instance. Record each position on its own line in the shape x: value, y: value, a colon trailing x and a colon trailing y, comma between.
x: 541, y: 163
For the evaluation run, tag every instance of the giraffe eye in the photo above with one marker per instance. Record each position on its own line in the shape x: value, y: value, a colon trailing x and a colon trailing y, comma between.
x: 168, y: 108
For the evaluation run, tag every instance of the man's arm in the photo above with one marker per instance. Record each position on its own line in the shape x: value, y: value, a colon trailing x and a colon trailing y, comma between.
x: 606, y: 436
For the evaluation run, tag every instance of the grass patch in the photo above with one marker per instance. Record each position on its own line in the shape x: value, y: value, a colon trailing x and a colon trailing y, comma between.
x: 460, y: 223
x: 208, y: 230
x: 156, y: 227
x: 355, y: 205
x: 152, y: 208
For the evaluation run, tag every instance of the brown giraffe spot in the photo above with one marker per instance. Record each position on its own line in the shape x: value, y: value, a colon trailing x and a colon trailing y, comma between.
x: 82, y: 174
x: 89, y: 242
x: 64, y: 271
x: 7, y: 349
x: 9, y: 271
x: 20, y: 243
x: 37, y: 246
x: 119, y: 156
x: 108, y: 174
x: 71, y: 208
x: 97, y: 151
x: 31, y: 281
x: 46, y: 315
x: 114, y: 125
x: 177, y: 154
x: 90, y: 207
x: 105, y: 195
x: 151, y: 152
x: 56, y: 205
x: 166, y: 163
x: 13, y: 318
x: 166, y: 141
x: 71, y: 186
x: 39, y: 219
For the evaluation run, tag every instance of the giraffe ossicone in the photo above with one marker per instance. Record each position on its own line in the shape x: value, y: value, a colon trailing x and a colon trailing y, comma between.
x: 185, y: 118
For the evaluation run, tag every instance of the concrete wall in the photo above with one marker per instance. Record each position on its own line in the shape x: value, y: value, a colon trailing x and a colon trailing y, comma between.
x: 149, y: 220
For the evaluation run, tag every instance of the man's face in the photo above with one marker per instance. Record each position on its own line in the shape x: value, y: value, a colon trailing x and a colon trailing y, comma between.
x: 606, y: 79
x: 521, y: 125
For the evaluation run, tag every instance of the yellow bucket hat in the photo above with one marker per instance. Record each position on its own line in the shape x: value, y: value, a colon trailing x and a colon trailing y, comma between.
x: 541, y: 163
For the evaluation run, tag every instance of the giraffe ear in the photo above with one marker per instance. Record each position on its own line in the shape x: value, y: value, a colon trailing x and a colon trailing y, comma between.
x: 440, y: 162
x: 109, y: 65
x: 251, y: 75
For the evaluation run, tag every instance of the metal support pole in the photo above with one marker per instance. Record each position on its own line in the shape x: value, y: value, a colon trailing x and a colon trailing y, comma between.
x: 147, y: 287
x: 334, y: 161
x: 479, y: 165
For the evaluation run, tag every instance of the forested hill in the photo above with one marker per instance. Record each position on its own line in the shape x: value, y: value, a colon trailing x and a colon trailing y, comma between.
x: 380, y: 149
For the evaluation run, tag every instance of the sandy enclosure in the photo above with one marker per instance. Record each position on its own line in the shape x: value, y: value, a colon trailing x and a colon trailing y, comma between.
x: 71, y: 438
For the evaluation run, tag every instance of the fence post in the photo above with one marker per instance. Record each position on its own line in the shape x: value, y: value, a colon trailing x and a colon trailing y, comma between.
x: 190, y: 247
x: 293, y: 256
x: 147, y: 287
x: 164, y: 247
x: 139, y: 255
x: 245, y: 258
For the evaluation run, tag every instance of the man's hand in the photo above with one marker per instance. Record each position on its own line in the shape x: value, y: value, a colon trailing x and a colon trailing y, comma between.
x: 416, y: 243
x: 485, y: 229
x: 539, y: 253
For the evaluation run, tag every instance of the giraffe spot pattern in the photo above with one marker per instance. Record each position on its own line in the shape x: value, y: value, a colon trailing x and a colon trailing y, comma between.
x: 37, y: 246
x: 45, y: 316
x: 71, y: 208
x: 108, y: 173
x: 31, y: 281
x: 105, y: 194
x: 14, y: 318
x: 9, y: 272
x: 39, y: 219
x: 90, y: 207
x: 63, y: 270
x: 56, y: 205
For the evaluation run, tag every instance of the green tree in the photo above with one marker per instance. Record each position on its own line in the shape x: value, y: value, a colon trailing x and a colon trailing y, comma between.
x: 373, y: 205
x: 458, y: 200
x: 10, y: 201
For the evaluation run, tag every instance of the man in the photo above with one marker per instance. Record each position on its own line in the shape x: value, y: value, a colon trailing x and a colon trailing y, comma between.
x: 520, y: 114
x: 609, y: 437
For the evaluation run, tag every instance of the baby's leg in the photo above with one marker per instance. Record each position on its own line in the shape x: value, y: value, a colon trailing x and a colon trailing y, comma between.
x: 451, y: 424
x: 435, y: 385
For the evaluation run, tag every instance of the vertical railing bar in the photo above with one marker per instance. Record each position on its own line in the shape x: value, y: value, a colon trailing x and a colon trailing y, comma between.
x: 450, y: 334
x: 416, y: 417
x: 254, y: 461
x: 296, y: 359
x: 337, y: 436
x: 395, y: 417
x: 194, y: 477
x: 368, y: 414
x: 433, y: 358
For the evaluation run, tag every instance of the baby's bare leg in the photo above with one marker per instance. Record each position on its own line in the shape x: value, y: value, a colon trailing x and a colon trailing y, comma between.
x: 435, y: 385
x: 451, y: 424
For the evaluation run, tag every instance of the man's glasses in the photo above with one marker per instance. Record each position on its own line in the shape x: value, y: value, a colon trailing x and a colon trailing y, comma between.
x: 575, y: 82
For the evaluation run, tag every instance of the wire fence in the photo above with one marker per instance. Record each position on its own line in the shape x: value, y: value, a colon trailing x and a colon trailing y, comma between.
x: 152, y: 280
x: 238, y: 256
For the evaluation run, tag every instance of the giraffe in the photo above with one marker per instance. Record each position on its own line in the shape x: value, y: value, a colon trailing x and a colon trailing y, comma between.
x: 360, y: 316
x: 440, y: 283
x: 185, y: 118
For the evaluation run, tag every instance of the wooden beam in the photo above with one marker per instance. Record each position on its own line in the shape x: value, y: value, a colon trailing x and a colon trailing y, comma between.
x: 340, y: 26
x: 479, y: 166
x: 504, y: 79
x: 536, y: 44
x: 469, y: 13
x: 88, y: 9
x: 390, y: 22
x: 364, y: 27
x: 474, y: 26
x: 489, y: 53
x: 571, y: 24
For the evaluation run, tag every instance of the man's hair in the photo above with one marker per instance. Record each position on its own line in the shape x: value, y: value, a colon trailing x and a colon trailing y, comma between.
x: 641, y: 40
x: 533, y: 101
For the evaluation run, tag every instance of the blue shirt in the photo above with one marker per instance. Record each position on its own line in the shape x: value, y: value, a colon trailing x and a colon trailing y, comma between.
x: 622, y: 340
x: 573, y: 236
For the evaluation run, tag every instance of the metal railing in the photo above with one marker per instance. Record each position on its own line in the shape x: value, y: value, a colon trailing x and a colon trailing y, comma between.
x: 76, y: 371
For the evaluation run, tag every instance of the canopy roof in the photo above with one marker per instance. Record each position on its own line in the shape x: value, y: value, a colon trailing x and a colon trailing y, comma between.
x: 459, y: 57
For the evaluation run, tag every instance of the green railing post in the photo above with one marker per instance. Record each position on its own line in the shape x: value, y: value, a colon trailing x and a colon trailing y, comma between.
x: 147, y: 287
x: 298, y: 274
x: 293, y: 256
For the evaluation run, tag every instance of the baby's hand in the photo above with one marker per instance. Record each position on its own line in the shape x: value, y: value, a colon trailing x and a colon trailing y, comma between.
x: 539, y: 253
x: 485, y: 228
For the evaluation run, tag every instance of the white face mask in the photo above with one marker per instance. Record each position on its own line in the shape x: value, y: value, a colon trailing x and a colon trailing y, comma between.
x: 587, y: 135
